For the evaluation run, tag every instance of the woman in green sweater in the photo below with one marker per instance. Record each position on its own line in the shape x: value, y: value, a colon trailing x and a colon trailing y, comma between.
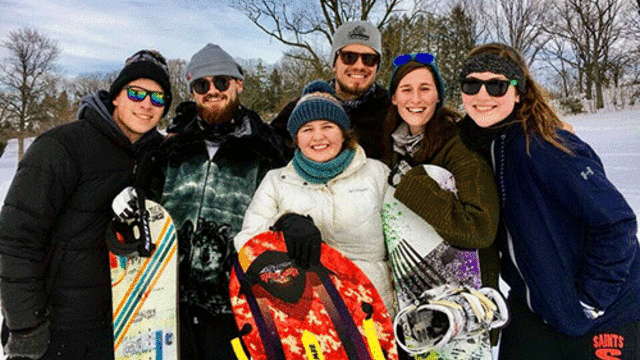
x: 423, y: 131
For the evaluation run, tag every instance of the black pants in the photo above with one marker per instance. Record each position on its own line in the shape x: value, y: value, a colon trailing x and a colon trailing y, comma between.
x: 81, y: 344
x: 205, y: 337
x: 528, y: 337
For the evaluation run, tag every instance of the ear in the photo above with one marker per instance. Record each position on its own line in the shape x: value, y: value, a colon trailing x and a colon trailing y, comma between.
x: 239, y: 86
x: 393, y: 100
x: 517, y: 98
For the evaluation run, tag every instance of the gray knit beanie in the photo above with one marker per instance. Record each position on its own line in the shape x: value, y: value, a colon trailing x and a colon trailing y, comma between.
x: 212, y: 61
x: 317, y: 103
x: 356, y: 32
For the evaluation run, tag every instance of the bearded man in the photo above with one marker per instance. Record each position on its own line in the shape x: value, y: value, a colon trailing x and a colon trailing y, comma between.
x: 211, y: 163
x: 355, y: 57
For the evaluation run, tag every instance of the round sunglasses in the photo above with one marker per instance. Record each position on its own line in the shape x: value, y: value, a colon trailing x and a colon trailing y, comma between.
x: 350, y: 58
x: 494, y: 87
x: 137, y: 94
x: 202, y: 85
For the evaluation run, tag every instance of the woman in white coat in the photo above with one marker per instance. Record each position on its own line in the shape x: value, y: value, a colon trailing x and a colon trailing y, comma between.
x: 331, y: 181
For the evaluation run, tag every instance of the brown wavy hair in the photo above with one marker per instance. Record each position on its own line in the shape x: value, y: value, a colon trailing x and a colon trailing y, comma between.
x: 535, y: 113
x: 438, y: 130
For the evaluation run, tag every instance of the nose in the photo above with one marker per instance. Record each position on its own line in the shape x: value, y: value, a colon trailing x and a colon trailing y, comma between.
x: 483, y: 91
x: 212, y: 87
x: 317, y: 134
x: 416, y: 96
x: 146, y: 102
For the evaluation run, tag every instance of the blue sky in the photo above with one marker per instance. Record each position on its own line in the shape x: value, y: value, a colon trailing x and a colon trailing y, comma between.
x: 98, y: 35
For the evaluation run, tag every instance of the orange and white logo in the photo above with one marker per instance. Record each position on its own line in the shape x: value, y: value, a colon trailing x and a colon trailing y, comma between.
x: 608, y: 346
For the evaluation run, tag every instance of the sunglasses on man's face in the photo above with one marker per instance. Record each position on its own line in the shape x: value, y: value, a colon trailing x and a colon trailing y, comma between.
x: 137, y: 94
x: 494, y: 87
x: 350, y: 58
x: 202, y: 85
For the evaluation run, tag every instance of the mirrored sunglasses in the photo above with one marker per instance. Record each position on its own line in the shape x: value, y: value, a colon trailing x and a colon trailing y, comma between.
x: 201, y: 85
x: 494, y: 87
x: 423, y: 58
x: 137, y: 94
x: 350, y: 58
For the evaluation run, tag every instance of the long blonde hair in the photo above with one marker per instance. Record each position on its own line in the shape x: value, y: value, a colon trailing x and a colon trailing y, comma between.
x: 535, y: 113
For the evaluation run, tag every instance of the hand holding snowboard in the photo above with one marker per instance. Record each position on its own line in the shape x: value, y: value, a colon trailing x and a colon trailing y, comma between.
x: 302, y: 238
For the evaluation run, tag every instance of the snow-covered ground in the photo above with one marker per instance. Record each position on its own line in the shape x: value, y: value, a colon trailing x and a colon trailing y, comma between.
x: 615, y: 136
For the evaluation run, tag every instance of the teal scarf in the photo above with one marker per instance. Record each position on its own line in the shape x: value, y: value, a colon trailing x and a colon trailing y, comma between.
x: 321, y: 172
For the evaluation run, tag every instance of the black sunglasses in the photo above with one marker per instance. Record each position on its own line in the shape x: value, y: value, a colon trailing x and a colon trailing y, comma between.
x: 137, y: 94
x: 495, y: 87
x: 201, y: 85
x: 350, y: 58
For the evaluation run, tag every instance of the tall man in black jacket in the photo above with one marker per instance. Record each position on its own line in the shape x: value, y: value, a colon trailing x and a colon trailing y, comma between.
x: 355, y: 57
x: 214, y: 158
x: 54, y: 271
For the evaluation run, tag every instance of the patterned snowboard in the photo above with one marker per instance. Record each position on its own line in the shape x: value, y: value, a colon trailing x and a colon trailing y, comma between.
x: 330, y: 312
x: 144, y: 295
x: 421, y: 260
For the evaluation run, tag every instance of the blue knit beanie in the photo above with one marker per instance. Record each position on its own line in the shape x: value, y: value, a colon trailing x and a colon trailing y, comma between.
x: 317, y: 103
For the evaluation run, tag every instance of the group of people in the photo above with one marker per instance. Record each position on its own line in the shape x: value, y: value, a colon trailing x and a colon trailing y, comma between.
x: 532, y: 198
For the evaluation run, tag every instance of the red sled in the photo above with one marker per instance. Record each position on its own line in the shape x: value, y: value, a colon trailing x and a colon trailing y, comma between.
x: 327, y: 312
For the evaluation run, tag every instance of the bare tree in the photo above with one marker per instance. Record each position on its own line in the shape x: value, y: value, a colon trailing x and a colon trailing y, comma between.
x: 302, y: 27
x: 517, y: 23
x: 592, y: 27
x: 558, y: 56
x: 179, y: 88
x: 89, y: 84
x: 22, y: 76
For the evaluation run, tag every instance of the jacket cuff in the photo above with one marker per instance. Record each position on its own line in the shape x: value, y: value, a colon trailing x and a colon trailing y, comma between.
x: 590, y: 311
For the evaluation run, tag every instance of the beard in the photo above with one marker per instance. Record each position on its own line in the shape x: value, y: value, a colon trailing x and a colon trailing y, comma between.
x: 218, y: 116
x: 353, y: 91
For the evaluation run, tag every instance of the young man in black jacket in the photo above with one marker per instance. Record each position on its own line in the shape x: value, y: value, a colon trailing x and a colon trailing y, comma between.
x: 355, y: 57
x: 55, y: 278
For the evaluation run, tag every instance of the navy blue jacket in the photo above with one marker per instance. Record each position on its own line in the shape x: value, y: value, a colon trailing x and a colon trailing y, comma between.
x: 570, y: 234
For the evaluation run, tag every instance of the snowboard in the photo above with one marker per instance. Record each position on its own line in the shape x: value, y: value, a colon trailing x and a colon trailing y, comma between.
x: 330, y: 311
x: 421, y: 260
x: 144, y: 293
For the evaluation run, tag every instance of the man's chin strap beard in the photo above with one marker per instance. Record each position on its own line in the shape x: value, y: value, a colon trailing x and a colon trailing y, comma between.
x: 215, y: 117
x: 353, y: 94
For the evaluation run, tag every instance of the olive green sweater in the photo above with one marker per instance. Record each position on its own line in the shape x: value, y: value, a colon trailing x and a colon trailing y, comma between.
x: 471, y: 219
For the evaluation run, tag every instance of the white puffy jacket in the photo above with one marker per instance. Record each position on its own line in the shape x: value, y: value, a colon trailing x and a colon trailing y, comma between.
x: 346, y: 210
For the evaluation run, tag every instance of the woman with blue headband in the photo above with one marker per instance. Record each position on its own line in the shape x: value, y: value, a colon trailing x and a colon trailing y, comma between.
x: 567, y: 236
x: 424, y: 132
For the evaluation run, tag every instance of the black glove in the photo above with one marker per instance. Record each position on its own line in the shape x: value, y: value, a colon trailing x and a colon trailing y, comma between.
x: 29, y: 343
x: 302, y: 237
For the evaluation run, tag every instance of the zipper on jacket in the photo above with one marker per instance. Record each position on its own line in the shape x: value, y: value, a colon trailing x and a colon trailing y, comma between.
x: 202, y: 195
x: 510, y: 248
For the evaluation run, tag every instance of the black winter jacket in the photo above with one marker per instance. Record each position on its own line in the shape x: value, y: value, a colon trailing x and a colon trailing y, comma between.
x: 207, y: 197
x: 54, y: 218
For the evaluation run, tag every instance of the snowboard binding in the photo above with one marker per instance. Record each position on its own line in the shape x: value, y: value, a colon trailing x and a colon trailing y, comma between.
x: 446, y: 313
x: 131, y: 236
